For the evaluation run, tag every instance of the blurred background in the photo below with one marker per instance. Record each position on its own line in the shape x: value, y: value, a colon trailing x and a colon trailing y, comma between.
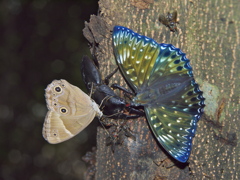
x: 40, y: 40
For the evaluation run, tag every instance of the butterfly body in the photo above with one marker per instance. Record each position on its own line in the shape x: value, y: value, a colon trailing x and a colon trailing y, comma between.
x: 70, y: 111
x: 162, y: 79
x: 111, y: 104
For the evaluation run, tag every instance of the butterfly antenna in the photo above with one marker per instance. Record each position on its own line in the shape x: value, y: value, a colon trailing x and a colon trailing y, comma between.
x: 113, y: 114
x: 105, y: 98
x: 91, y: 92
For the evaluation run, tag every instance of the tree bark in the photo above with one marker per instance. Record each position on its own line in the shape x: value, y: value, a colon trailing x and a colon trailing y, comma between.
x: 208, y: 32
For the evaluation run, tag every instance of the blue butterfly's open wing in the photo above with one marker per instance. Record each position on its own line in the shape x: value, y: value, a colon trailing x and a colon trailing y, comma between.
x: 162, y: 78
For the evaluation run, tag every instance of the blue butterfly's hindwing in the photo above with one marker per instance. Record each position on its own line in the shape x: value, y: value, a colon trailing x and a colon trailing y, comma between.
x: 162, y: 78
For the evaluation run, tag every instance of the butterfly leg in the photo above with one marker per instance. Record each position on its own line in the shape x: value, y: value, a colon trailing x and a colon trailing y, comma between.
x: 135, y: 110
x: 117, y: 86
x: 106, y: 80
x: 125, y: 116
x: 131, y: 109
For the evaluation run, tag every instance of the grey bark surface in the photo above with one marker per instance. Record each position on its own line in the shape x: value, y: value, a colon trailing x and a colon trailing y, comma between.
x: 209, y: 33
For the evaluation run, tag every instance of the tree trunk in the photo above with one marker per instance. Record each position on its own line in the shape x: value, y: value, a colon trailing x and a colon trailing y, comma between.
x: 208, y: 32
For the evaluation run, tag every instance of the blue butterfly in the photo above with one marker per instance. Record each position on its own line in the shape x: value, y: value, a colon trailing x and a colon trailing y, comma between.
x: 162, y: 79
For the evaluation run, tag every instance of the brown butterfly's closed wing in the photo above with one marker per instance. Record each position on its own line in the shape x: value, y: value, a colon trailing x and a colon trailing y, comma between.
x: 70, y: 111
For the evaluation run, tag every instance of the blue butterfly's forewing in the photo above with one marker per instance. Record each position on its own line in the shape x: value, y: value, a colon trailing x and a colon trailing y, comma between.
x: 162, y: 79
x: 135, y: 55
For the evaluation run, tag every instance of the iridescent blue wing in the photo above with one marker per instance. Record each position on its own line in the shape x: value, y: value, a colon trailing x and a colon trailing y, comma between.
x: 135, y: 54
x: 162, y: 78
x: 174, y: 119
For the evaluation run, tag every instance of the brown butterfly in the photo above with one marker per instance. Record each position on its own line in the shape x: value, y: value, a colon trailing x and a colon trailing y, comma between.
x: 70, y: 111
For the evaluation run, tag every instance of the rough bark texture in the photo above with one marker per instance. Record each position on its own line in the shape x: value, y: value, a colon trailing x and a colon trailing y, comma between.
x: 209, y: 35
